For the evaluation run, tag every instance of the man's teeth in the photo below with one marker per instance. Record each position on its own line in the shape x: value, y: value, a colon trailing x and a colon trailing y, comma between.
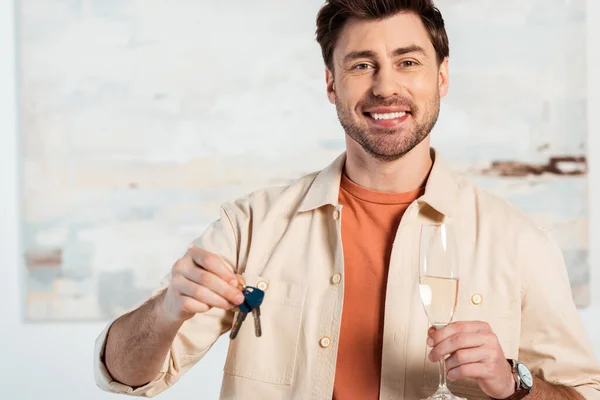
x: 388, y: 116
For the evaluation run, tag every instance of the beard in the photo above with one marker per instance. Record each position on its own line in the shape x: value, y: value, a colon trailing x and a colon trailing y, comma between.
x: 390, y: 144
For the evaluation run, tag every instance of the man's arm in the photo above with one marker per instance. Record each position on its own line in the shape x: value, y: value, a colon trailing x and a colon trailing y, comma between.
x: 151, y: 345
x: 138, y: 342
x: 553, y: 343
x: 543, y: 390
x: 475, y: 353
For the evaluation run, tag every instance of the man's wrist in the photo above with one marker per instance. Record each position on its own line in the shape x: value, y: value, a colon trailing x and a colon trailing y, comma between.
x: 522, y: 380
x: 512, y: 384
x: 163, y: 320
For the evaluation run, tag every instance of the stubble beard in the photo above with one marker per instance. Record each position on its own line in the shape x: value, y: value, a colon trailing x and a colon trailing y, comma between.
x: 390, y: 144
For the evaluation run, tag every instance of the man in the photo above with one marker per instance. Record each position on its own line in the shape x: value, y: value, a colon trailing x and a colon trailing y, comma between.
x: 341, y: 316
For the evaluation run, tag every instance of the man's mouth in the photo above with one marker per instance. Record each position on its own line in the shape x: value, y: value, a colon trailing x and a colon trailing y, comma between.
x: 386, y: 116
x: 387, y: 119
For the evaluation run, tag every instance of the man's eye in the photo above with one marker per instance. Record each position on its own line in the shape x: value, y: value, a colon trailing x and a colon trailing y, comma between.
x: 362, y: 66
x: 408, y: 63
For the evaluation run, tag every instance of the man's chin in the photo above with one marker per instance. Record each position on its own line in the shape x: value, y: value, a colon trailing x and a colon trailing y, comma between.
x: 385, y: 154
x: 375, y: 133
x: 399, y: 130
x: 391, y: 147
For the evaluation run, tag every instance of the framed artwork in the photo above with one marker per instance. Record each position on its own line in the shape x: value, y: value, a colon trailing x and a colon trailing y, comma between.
x: 139, y: 119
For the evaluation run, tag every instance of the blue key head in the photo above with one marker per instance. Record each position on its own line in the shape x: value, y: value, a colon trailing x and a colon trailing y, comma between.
x: 254, y: 296
x: 244, y: 307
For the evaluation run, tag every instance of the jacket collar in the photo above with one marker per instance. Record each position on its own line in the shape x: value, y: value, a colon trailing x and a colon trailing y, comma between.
x: 441, y: 189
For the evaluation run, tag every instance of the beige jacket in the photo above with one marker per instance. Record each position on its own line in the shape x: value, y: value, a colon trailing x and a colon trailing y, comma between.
x: 287, y: 240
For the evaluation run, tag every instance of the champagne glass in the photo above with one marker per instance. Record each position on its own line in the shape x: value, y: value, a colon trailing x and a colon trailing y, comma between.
x: 438, y: 286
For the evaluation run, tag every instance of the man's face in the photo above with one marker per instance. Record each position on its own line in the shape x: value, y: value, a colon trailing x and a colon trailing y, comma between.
x: 387, y: 84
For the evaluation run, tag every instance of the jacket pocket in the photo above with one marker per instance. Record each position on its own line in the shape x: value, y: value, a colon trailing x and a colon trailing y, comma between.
x: 270, y: 358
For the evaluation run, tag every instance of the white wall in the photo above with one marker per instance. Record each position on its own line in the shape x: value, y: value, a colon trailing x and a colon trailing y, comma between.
x: 591, y: 315
x: 55, y: 359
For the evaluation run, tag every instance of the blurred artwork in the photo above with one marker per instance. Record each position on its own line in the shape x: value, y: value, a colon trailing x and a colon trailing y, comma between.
x: 138, y: 119
x: 515, y: 119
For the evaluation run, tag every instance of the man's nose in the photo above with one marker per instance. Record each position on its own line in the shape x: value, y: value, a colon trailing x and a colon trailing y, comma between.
x: 387, y: 83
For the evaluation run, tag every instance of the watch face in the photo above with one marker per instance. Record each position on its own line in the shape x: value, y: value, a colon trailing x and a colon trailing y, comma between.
x: 525, y: 375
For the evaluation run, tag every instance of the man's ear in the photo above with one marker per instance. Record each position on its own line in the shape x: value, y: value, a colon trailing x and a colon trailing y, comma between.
x: 330, y: 85
x: 443, y: 78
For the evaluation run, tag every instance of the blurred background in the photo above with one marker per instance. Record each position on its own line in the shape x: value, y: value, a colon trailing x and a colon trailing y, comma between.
x: 124, y: 124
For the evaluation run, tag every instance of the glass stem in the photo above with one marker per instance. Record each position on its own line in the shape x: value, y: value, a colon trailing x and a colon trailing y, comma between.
x: 443, y: 373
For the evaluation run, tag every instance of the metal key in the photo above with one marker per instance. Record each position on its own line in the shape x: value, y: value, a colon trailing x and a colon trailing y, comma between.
x: 253, y: 299
x: 237, y: 324
x: 256, y: 315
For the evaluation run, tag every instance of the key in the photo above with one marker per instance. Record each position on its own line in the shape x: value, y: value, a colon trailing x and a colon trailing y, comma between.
x: 253, y: 299
x: 237, y: 324
x: 256, y: 315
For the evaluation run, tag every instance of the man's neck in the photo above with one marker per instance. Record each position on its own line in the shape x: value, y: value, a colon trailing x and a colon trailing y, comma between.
x: 399, y: 176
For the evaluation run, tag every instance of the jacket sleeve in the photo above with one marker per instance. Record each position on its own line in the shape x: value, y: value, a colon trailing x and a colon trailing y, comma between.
x: 553, y: 342
x: 197, y: 335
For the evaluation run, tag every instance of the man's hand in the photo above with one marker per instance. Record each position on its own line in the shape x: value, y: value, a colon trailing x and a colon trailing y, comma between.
x: 200, y: 281
x: 475, y: 353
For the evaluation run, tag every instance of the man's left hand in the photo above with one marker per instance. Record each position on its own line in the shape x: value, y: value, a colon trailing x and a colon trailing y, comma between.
x: 475, y: 353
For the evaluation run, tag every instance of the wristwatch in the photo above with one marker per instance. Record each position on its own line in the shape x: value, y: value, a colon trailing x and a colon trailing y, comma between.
x: 523, y: 379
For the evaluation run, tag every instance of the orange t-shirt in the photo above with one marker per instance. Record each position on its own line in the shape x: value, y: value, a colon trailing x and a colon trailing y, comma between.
x: 369, y: 223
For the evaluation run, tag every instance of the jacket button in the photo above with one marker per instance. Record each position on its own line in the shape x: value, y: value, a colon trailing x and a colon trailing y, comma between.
x: 476, y: 299
x: 337, y: 278
x: 325, y: 342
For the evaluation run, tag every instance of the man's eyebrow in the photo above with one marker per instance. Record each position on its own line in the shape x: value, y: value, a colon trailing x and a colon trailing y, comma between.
x: 371, y: 54
x: 408, y: 49
x: 359, y: 54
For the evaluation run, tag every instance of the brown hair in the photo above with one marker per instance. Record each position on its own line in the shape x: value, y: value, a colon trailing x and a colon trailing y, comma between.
x: 333, y: 16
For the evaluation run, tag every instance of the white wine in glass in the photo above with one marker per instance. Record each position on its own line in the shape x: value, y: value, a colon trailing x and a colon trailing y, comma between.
x: 438, y: 286
x: 439, y: 298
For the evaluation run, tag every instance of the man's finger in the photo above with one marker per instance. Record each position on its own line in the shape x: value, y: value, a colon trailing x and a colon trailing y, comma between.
x: 203, y: 295
x: 462, y: 340
x: 241, y: 282
x: 217, y: 285
x: 454, y: 328
x: 211, y: 262
x: 471, y: 371
x: 467, y: 356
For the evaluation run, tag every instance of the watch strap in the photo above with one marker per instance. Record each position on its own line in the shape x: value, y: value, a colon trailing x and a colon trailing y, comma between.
x: 519, y: 394
x: 520, y: 391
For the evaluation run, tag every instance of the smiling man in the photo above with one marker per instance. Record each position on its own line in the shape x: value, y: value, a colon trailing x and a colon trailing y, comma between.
x: 335, y: 254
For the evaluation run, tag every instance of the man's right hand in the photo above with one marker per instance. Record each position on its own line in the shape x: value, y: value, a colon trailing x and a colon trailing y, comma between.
x: 200, y: 280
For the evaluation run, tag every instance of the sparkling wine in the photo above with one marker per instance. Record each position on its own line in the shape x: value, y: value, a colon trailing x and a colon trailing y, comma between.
x: 439, y: 297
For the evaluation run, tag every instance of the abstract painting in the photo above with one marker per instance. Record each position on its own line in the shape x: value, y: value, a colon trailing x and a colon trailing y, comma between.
x: 138, y: 119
